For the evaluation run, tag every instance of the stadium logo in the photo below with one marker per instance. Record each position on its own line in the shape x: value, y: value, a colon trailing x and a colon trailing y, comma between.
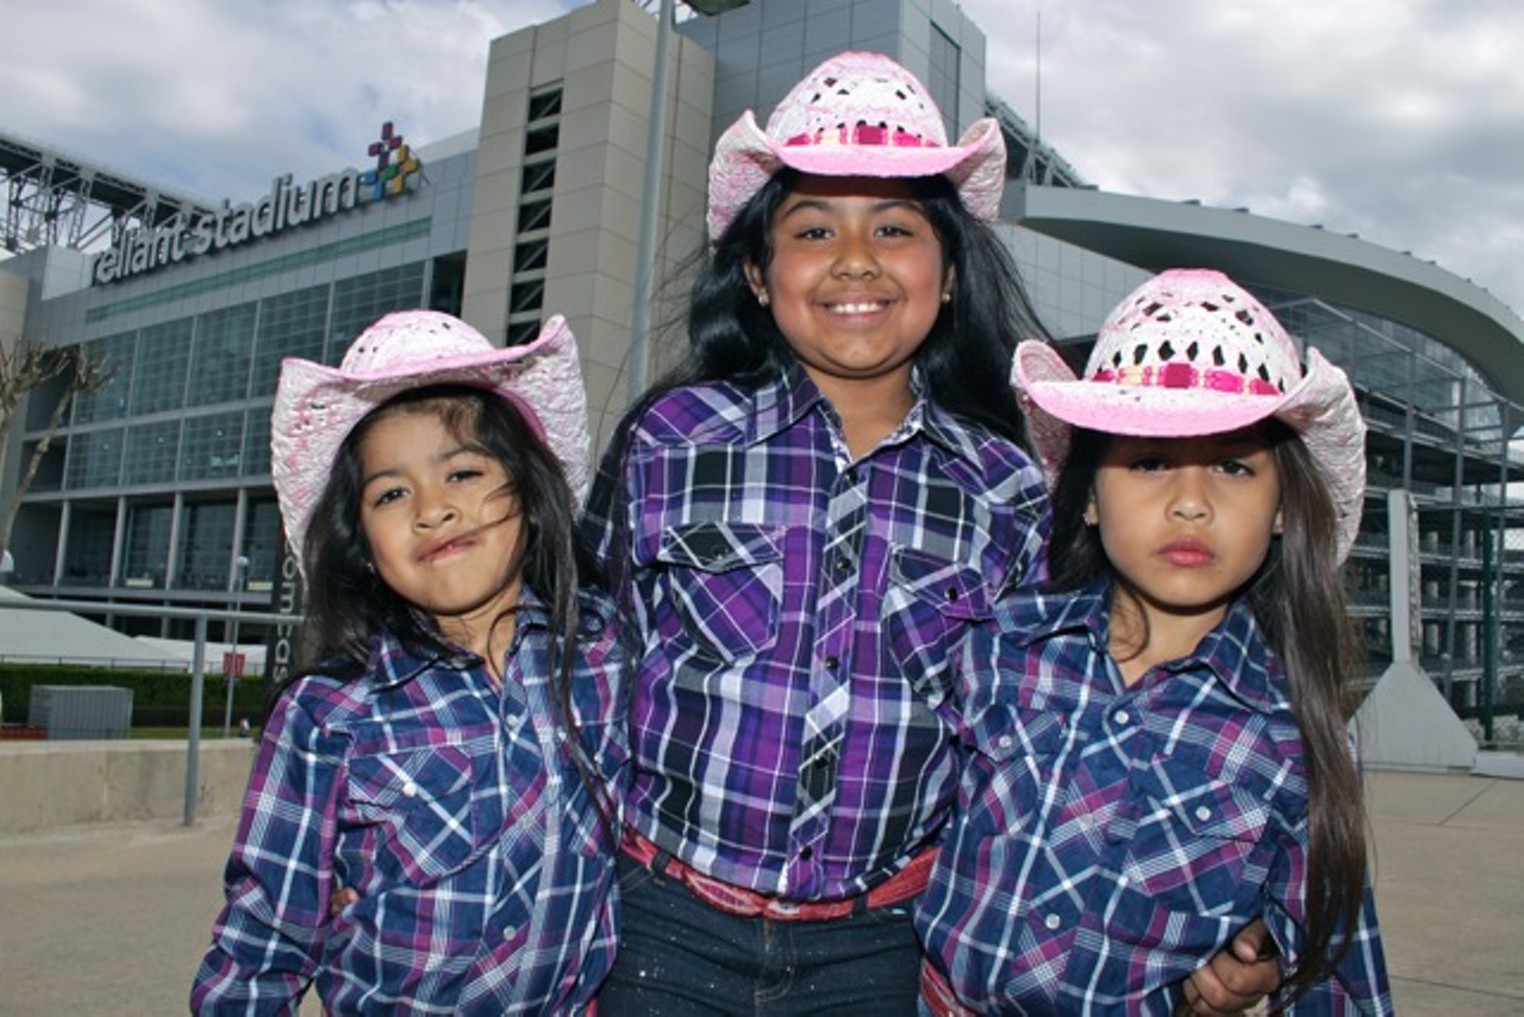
x: 288, y: 205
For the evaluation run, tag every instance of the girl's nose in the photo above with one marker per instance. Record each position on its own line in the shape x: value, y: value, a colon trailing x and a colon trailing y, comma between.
x: 856, y: 259
x: 1189, y: 499
x: 433, y: 512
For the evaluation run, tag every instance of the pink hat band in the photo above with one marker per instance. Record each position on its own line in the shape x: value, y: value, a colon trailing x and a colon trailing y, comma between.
x: 860, y: 135
x: 1177, y: 375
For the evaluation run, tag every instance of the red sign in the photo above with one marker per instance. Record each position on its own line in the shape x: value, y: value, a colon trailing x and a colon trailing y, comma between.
x: 232, y: 664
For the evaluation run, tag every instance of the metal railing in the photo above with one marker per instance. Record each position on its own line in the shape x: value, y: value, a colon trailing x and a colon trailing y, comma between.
x: 200, y: 617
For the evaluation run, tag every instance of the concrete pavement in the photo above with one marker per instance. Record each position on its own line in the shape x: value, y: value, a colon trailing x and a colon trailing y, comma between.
x: 112, y: 919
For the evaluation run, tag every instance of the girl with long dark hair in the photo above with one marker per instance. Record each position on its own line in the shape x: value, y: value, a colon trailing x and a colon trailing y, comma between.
x: 1160, y: 749
x: 430, y: 825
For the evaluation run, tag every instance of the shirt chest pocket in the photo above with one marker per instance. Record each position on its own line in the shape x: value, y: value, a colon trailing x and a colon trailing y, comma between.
x: 422, y: 802
x: 1014, y: 752
x: 1195, y: 838
x: 726, y: 582
x: 930, y: 601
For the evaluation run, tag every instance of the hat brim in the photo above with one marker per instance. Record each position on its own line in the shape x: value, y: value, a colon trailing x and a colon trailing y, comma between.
x: 745, y: 159
x: 316, y: 407
x: 1321, y: 409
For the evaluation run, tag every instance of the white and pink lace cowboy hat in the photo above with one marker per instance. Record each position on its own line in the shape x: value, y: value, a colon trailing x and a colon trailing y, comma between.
x: 1191, y: 353
x: 857, y: 114
x: 317, y: 406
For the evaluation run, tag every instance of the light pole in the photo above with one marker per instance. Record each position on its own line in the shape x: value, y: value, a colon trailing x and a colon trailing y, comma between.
x: 240, y: 564
x: 650, y: 196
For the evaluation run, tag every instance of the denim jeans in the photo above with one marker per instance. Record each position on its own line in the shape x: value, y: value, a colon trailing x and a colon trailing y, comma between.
x: 680, y: 957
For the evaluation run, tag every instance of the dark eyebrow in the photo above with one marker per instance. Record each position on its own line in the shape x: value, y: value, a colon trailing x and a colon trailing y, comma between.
x: 445, y: 457
x: 825, y: 205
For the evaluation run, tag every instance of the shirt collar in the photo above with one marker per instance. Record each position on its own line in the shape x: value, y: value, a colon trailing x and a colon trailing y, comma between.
x: 1235, y: 650
x: 781, y: 402
x: 394, y: 662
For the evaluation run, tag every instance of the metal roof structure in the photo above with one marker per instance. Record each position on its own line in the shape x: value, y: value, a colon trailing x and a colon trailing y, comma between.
x: 53, y: 199
x: 1155, y: 234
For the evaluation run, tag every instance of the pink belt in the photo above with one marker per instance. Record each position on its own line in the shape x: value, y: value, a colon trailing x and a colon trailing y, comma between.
x: 737, y: 900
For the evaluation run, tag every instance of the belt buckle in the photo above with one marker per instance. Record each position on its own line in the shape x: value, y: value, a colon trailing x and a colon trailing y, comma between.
x: 784, y: 911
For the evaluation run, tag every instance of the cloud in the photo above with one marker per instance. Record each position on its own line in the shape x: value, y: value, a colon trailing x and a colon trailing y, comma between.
x: 1399, y: 120
x: 215, y: 97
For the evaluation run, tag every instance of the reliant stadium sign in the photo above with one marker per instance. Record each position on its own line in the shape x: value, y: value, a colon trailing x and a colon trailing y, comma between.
x: 190, y: 235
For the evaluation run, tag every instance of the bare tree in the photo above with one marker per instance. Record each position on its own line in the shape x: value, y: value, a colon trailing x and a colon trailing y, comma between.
x: 25, y: 367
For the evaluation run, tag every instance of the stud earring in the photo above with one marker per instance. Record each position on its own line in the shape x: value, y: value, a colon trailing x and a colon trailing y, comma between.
x: 947, y: 298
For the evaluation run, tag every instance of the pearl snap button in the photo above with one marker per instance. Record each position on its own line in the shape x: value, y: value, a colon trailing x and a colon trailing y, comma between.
x: 1052, y: 922
x: 410, y: 789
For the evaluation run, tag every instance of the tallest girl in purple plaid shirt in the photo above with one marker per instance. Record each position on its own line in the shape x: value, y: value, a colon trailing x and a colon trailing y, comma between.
x: 802, y: 524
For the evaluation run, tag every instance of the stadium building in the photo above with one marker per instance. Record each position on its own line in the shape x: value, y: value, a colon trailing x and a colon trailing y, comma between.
x: 155, y: 488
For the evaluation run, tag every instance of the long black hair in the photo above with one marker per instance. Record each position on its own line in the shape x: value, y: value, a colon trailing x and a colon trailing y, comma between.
x: 965, y: 359
x: 1298, y: 600
x: 347, y: 604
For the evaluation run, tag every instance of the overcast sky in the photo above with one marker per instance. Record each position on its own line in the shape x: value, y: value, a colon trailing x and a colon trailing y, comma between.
x: 1399, y: 120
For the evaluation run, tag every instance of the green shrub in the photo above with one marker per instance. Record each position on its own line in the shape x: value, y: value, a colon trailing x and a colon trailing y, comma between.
x: 159, y: 698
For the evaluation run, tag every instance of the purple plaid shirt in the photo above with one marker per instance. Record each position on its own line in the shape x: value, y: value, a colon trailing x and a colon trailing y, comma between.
x: 1110, y: 840
x: 486, y: 882
x: 728, y: 499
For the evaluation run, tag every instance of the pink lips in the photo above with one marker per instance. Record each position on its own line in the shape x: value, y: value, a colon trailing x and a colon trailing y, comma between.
x: 444, y: 549
x: 1187, y: 554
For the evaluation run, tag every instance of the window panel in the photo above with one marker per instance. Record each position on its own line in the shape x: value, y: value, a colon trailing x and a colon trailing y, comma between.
x: 359, y: 301
x: 109, y: 402
x: 206, y: 546
x: 256, y: 445
x: 158, y: 383
x: 290, y: 325
x: 546, y: 104
x: 221, y: 355
x: 213, y: 446
x: 147, y: 545
x: 153, y: 451
x: 95, y: 459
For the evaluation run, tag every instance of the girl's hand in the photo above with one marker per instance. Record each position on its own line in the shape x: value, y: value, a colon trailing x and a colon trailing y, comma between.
x: 1237, y: 978
x: 341, y: 899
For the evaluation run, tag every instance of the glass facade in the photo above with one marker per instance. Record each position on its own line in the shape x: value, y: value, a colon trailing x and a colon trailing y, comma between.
x: 212, y: 447
x: 162, y: 365
x: 157, y: 476
x: 944, y: 78
x: 180, y: 436
x: 221, y: 356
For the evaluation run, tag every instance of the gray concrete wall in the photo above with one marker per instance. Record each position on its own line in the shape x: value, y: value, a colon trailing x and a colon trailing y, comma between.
x: 46, y: 785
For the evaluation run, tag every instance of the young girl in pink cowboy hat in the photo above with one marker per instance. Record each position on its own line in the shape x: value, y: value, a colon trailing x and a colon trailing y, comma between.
x: 801, y: 524
x: 1159, y: 730
x: 451, y: 754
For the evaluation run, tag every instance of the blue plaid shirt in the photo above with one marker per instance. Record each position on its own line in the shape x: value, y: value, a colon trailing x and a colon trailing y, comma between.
x: 731, y: 501
x: 1111, y: 839
x: 454, y: 808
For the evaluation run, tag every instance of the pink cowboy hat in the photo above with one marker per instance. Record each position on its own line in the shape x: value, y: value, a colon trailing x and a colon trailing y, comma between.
x: 857, y: 114
x: 1191, y: 353
x: 316, y: 406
